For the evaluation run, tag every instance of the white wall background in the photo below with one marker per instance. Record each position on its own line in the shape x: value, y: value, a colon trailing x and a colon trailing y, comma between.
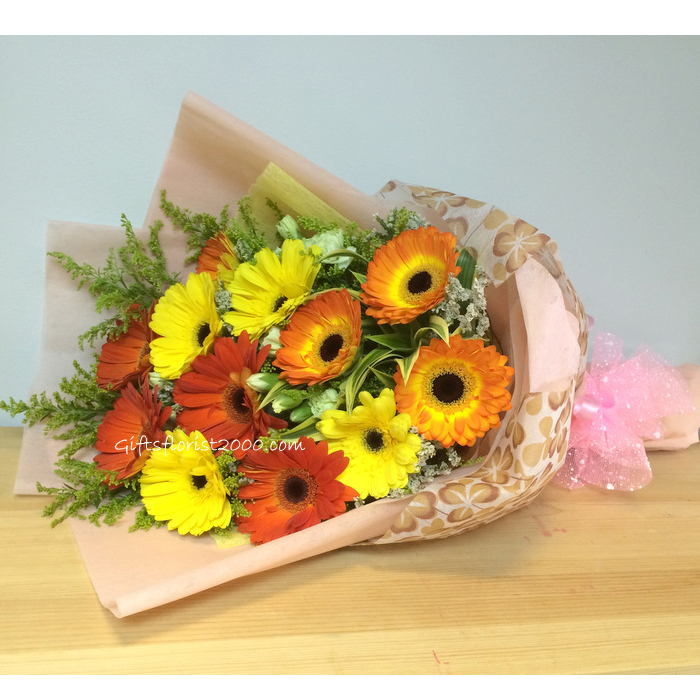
x: 594, y: 140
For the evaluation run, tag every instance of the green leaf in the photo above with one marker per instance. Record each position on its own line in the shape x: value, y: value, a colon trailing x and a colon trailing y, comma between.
x: 359, y: 277
x: 341, y: 253
x: 308, y: 428
x: 406, y: 364
x: 360, y: 372
x: 393, y: 341
x: 468, y: 265
x: 437, y: 325
x: 384, y: 378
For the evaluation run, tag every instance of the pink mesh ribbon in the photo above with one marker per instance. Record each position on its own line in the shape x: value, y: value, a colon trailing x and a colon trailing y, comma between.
x: 623, y: 405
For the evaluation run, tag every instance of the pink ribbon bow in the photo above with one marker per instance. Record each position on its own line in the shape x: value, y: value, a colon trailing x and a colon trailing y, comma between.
x: 622, y: 406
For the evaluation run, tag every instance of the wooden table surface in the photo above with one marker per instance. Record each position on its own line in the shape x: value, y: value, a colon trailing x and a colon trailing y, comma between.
x: 584, y: 582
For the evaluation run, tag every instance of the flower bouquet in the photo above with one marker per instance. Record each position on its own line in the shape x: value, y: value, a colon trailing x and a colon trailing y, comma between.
x: 314, y: 369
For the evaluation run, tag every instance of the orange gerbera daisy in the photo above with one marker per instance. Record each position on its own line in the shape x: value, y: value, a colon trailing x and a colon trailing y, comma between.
x: 218, y: 258
x: 292, y: 489
x: 127, y: 357
x: 408, y: 274
x: 321, y: 339
x: 130, y: 431
x: 216, y: 397
x: 455, y: 392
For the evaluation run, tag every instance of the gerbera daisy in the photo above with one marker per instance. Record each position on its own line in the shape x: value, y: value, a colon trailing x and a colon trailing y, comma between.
x: 267, y: 292
x: 455, y: 392
x: 408, y: 274
x: 182, y: 485
x: 218, y: 258
x: 321, y: 339
x: 377, y: 442
x: 185, y: 316
x: 292, y: 489
x: 217, y: 399
x: 130, y: 430
x: 127, y: 357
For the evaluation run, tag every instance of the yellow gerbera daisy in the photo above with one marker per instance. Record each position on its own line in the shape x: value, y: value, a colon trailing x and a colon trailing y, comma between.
x: 377, y: 442
x: 185, y: 317
x: 455, y: 392
x: 182, y: 485
x: 266, y: 293
x: 321, y: 339
x: 407, y: 275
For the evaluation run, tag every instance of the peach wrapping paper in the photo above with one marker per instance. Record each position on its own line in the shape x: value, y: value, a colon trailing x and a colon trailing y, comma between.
x: 213, y: 160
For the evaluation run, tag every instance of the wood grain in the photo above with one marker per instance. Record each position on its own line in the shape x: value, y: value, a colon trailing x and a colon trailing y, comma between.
x: 581, y: 582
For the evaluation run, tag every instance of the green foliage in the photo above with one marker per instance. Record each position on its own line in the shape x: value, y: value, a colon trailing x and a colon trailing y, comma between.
x: 365, y: 242
x: 313, y: 225
x: 133, y: 278
x: 333, y: 277
x: 267, y: 366
x: 244, y: 235
x: 393, y: 341
x: 228, y: 465
x: 198, y: 227
x: 73, y: 414
x: 238, y: 510
x: 276, y: 389
x: 376, y: 381
x: 400, y: 220
x: 143, y: 520
x: 435, y: 326
x: 79, y: 403
x: 358, y: 376
x: 275, y: 209
x: 467, y: 266
x: 85, y: 489
x: 405, y: 364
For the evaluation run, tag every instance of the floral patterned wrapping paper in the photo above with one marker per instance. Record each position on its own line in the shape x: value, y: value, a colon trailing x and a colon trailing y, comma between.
x: 536, y: 315
x: 531, y: 443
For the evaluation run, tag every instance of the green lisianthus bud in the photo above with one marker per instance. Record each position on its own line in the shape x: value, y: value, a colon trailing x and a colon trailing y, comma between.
x: 272, y: 338
x: 155, y: 380
x: 263, y: 381
x: 299, y: 415
x: 328, y: 241
x: 287, y: 228
x: 325, y: 401
x: 287, y: 400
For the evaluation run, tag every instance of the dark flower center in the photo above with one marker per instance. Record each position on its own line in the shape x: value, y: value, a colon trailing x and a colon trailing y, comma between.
x: 330, y: 347
x: 143, y: 354
x: 234, y: 402
x: 199, y: 481
x: 202, y: 334
x: 448, y: 387
x: 374, y: 440
x: 279, y: 303
x: 420, y: 282
x: 296, y: 489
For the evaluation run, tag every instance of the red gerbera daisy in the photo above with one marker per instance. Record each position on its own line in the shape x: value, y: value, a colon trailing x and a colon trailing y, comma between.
x: 127, y: 357
x: 218, y: 258
x: 292, y: 489
x: 130, y: 431
x: 216, y: 397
